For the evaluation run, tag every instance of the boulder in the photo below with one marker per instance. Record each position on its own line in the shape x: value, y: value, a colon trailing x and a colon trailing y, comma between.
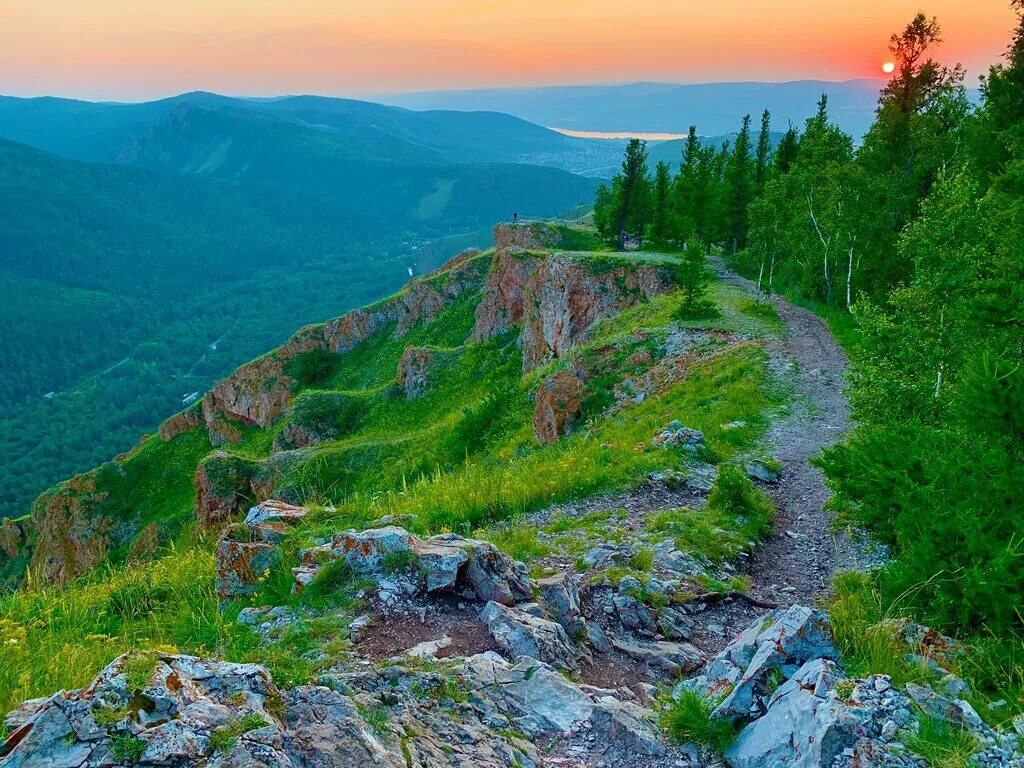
x: 805, y: 726
x: 519, y: 634
x: 560, y: 596
x: 242, y: 564
x: 535, y: 696
x: 271, y: 519
x: 786, y: 637
x: 440, y: 562
x: 491, y: 575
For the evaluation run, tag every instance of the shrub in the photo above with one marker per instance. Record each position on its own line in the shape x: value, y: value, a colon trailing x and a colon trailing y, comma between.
x: 127, y: 749
x: 735, y: 495
x: 314, y: 368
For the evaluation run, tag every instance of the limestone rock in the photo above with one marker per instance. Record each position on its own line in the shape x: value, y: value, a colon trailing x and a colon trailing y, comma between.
x: 491, y: 575
x: 242, y: 564
x: 537, y: 697
x: 440, y: 563
x: 804, y: 726
x: 785, y: 637
x: 11, y: 537
x: 675, y: 658
x: 522, y: 635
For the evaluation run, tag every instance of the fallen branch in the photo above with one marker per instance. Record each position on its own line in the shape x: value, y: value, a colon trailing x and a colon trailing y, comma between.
x: 716, y: 597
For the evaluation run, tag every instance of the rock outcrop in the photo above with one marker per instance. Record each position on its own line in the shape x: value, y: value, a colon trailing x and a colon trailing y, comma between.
x: 223, y: 485
x: 557, y: 404
x: 259, y: 392
x: 413, y: 374
x: 11, y: 537
x: 71, y: 532
x: 555, y: 298
x: 196, y: 712
x: 470, y: 567
x: 783, y: 682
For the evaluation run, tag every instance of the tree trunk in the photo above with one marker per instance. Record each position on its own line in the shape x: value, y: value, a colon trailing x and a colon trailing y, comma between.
x: 849, y: 279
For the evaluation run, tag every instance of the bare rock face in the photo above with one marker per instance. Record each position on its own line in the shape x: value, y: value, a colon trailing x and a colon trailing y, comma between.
x: 557, y: 299
x: 257, y: 393
x: 558, y: 403
x: 566, y: 297
x: 11, y: 537
x: 180, y: 423
x: 413, y: 374
x: 72, y: 534
x: 503, y: 305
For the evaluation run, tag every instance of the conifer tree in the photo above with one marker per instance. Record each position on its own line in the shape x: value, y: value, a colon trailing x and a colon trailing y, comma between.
x: 764, y: 149
x: 634, y: 197
x: 739, y: 188
x: 786, y: 152
x: 661, y: 214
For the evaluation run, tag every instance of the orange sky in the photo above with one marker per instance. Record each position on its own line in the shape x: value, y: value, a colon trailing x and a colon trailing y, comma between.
x: 131, y: 49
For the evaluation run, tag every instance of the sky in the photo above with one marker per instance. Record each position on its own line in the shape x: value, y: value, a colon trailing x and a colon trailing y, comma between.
x: 140, y: 49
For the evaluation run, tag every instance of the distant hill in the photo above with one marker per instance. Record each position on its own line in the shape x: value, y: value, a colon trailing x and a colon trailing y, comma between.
x: 96, y: 131
x: 435, y: 171
x: 411, y: 185
x: 663, y: 107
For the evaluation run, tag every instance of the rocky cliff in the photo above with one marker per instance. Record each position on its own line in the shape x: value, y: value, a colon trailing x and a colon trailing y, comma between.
x: 547, y: 300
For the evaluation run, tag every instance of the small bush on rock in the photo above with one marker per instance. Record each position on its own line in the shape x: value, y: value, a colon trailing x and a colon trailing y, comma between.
x: 688, y: 719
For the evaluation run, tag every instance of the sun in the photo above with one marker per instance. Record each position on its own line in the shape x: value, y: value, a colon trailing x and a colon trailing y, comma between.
x: 888, y: 67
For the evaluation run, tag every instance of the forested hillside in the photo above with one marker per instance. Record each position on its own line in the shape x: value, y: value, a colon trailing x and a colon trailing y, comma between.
x: 912, y: 244
x: 238, y: 221
x: 135, y: 288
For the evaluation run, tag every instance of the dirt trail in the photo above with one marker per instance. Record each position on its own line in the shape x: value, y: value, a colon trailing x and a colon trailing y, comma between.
x: 797, y: 563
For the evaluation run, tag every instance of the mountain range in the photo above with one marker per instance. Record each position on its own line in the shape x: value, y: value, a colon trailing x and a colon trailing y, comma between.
x: 715, y: 108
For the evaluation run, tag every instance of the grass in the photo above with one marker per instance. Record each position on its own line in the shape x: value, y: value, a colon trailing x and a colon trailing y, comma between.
x: 59, y: 638
x: 942, y: 745
x: 737, y: 514
x: 688, y: 719
x: 225, y: 738
x: 862, y: 622
x: 127, y: 749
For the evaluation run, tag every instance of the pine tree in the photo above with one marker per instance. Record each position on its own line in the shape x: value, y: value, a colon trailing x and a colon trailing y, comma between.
x: 689, y: 190
x: 662, y: 213
x: 786, y: 152
x: 693, y: 276
x: 764, y: 149
x: 634, y: 197
x: 739, y: 188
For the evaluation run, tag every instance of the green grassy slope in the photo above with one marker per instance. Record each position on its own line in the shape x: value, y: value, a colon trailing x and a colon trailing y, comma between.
x: 460, y: 457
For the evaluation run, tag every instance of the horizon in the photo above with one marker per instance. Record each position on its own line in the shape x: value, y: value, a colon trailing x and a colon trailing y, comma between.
x: 377, y: 97
x: 111, y: 52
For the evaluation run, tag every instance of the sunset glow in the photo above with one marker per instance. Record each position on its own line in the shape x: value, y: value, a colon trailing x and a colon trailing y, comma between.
x: 120, y: 49
x: 888, y: 67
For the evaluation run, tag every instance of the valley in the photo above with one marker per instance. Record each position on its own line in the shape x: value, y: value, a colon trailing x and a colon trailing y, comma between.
x: 416, y: 434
